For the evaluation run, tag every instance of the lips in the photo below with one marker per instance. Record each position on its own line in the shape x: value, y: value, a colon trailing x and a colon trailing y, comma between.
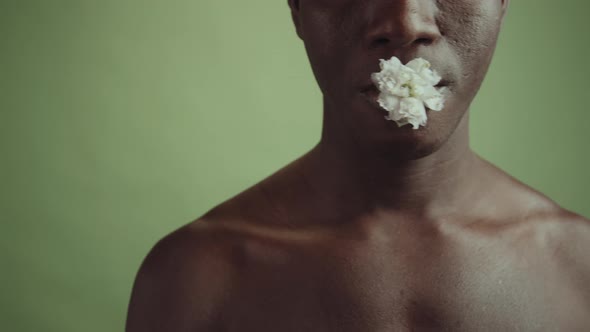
x: 442, y: 83
x: 372, y: 89
x: 369, y: 88
x: 370, y: 92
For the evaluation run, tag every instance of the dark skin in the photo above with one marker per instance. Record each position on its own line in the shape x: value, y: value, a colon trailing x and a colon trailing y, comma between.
x: 378, y: 228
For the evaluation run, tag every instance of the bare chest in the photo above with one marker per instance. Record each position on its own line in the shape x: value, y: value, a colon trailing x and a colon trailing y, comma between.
x: 434, y: 286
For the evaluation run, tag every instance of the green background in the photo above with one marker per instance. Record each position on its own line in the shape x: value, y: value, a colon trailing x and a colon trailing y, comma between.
x: 123, y: 120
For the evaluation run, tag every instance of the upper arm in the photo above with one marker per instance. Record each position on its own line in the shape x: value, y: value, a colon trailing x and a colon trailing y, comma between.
x: 180, y: 286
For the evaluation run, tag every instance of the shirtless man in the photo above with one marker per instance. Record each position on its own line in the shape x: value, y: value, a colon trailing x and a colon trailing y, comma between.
x: 378, y: 227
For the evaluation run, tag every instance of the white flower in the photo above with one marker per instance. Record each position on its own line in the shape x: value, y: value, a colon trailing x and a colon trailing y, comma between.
x: 406, y: 91
x: 409, y: 111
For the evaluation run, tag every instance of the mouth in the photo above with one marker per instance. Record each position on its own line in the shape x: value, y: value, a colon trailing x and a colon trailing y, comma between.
x: 443, y: 83
x: 370, y: 87
x: 370, y: 93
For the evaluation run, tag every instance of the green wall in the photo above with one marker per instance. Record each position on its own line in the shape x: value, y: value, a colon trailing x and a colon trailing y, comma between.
x: 122, y: 120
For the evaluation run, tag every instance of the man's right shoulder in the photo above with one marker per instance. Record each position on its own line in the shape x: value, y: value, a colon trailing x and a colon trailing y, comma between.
x: 189, y: 248
x: 185, y: 280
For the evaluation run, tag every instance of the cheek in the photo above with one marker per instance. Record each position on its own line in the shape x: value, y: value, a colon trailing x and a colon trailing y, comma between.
x: 328, y: 38
x: 471, y: 28
x: 329, y: 30
x: 318, y: 34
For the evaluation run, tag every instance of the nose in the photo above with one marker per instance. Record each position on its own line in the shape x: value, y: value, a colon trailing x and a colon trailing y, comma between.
x: 395, y: 24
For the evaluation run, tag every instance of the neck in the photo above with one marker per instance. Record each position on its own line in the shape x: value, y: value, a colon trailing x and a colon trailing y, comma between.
x: 431, y: 186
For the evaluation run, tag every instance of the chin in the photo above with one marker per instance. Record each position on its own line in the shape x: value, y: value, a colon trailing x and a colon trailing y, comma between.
x: 376, y: 135
x: 404, y: 144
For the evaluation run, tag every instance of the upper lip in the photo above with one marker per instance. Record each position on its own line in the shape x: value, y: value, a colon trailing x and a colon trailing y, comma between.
x: 368, y: 87
x: 443, y: 82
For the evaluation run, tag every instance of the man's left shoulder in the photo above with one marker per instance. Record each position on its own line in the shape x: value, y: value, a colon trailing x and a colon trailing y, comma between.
x: 549, y: 223
x: 565, y: 240
x: 553, y: 246
x: 563, y: 228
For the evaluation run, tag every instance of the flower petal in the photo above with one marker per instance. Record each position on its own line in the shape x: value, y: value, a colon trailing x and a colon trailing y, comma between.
x: 388, y: 102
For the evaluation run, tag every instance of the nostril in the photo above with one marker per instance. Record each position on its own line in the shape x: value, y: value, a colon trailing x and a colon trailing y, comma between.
x: 382, y: 41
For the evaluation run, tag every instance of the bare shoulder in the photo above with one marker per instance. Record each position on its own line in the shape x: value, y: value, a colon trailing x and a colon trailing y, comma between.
x: 556, y: 237
x: 567, y: 235
x: 564, y: 235
x: 184, y: 281
x: 561, y: 240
